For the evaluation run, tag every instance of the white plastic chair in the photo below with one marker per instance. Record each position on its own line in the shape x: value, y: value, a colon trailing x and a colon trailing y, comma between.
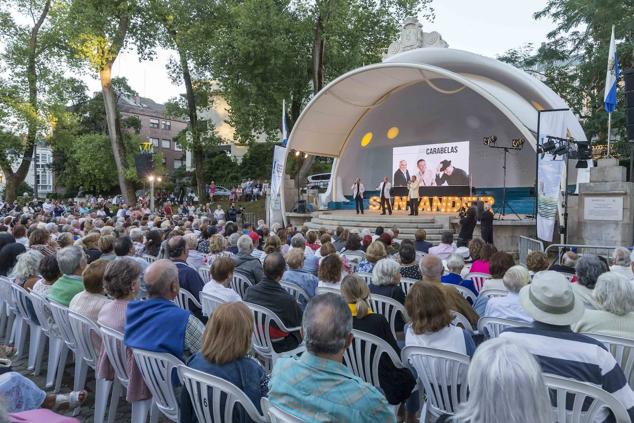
x: 25, y: 321
x: 215, y: 399
x: 117, y: 354
x: 388, y: 308
x: 367, y: 277
x: 623, y: 351
x: 7, y: 309
x: 363, y: 355
x: 157, y: 370
x: 491, y: 327
x: 150, y: 259
x: 492, y: 293
x: 55, y: 343
x: 203, y: 271
x: 325, y: 290
x: 296, y: 291
x: 262, y: 341
x: 406, y: 284
x: 580, y: 395
x: 86, y: 332
x: 210, y: 303
x: 443, y: 375
x: 460, y: 320
x: 466, y: 293
x: 240, y: 284
x: 277, y: 415
x: 478, y: 279
x: 185, y: 300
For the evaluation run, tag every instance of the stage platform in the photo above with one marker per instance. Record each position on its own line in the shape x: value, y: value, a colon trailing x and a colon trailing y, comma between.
x: 506, y: 232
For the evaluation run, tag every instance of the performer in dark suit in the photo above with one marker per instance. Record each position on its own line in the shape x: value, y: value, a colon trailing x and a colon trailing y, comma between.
x: 451, y: 175
x: 486, y: 225
x: 401, y: 176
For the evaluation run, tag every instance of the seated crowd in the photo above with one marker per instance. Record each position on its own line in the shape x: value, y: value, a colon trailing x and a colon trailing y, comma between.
x: 126, y: 274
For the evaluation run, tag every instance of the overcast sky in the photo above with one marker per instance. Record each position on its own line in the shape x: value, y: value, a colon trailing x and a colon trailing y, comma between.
x: 487, y: 27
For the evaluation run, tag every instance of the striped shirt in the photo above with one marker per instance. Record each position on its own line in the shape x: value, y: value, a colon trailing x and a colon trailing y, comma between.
x: 564, y: 353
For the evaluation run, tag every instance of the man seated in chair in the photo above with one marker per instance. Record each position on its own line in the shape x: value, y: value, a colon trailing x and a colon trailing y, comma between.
x: 188, y: 277
x: 157, y: 324
x: 270, y: 294
x: 317, y: 386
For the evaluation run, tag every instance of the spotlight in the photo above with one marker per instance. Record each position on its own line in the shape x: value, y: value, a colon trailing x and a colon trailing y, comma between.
x: 490, y: 140
x: 297, y: 153
x: 561, y: 150
x: 305, y: 155
x: 518, y: 142
x: 584, y: 152
x: 548, y: 146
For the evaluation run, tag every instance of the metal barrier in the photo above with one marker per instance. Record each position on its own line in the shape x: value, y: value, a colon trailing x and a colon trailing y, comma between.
x: 599, y: 250
x: 527, y: 245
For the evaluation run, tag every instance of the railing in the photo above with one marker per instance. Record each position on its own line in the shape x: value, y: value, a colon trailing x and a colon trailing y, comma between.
x: 599, y: 250
x: 527, y: 245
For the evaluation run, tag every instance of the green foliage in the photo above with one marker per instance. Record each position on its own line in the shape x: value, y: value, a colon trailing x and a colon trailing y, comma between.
x: 257, y: 162
x: 221, y: 168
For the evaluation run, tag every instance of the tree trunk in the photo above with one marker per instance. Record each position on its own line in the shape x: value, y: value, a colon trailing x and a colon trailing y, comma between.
x: 114, y: 131
x: 11, y: 188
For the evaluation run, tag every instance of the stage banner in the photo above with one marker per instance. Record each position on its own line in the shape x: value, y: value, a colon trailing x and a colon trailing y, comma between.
x: 445, y: 164
x: 279, y: 155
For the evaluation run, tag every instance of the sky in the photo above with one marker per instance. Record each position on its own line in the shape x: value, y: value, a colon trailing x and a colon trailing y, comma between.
x: 487, y: 27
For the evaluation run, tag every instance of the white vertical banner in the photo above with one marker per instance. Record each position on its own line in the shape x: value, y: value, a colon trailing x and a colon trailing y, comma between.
x: 277, y: 176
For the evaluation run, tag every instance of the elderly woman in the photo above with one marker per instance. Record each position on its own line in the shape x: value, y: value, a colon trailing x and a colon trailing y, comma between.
x: 153, y: 241
x: 221, y: 275
x: 386, y: 278
x: 49, y: 270
x: 71, y: 262
x: 536, y: 261
x: 121, y: 281
x: 91, y: 300
x: 509, y: 307
x: 90, y: 244
x: 455, y: 264
x: 65, y: 239
x: 409, y: 266
x: 229, y: 361
x: 375, y: 252
x: 397, y: 384
x: 568, y: 263
x: 330, y: 272
x: 481, y: 264
x: 311, y: 240
x: 217, y: 248
x: 500, y: 262
x: 9, y: 256
x: 621, y: 262
x: 39, y: 240
x: 352, y: 249
x: 505, y: 385
x: 26, y: 269
x: 588, y: 269
x: 614, y: 296
x: 106, y: 246
x: 295, y: 273
x: 273, y: 244
x: 195, y: 258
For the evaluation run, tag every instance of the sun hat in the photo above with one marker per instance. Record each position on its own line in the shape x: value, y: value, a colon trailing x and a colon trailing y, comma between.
x: 549, y: 298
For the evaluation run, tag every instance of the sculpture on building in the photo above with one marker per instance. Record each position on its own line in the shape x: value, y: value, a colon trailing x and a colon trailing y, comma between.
x: 413, y: 37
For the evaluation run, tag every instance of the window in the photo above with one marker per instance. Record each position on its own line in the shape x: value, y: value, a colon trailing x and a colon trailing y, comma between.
x: 178, y: 164
x: 155, y: 142
x: 177, y: 147
x: 166, y: 143
x: 166, y: 124
x: 154, y: 123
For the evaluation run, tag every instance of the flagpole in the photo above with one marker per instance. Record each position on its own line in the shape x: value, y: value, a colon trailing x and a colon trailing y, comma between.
x: 609, y: 130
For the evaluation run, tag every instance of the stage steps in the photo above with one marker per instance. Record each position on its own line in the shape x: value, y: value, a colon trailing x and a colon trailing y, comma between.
x: 406, y: 224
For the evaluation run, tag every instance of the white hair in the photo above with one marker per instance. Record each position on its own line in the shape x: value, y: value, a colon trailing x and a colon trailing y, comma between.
x: 455, y: 263
x: 505, y: 385
x: 136, y: 235
x: 621, y: 257
x: 569, y: 259
x: 69, y: 259
x: 27, y: 265
x: 615, y: 293
x: 516, y: 278
x: 233, y: 239
x: 245, y: 244
x: 385, y: 272
x: 192, y: 241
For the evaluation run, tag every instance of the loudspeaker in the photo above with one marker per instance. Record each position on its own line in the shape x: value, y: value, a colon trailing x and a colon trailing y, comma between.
x: 144, y: 164
x: 628, y: 77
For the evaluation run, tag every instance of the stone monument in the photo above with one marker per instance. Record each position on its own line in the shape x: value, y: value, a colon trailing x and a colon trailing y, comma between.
x: 413, y: 37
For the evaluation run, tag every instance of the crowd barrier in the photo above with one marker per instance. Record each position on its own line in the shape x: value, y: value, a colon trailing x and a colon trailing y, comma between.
x: 527, y: 245
x: 599, y: 250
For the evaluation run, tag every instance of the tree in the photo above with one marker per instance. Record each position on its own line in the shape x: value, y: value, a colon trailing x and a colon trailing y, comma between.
x: 573, y: 60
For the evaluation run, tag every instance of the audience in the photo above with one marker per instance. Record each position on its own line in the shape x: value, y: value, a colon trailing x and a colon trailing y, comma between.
x: 90, y: 301
x: 90, y: 244
x: 26, y: 270
x: 49, y: 270
x: 455, y: 264
x: 330, y: 272
x: 247, y: 265
x: 188, y: 278
x: 106, y: 246
x: 375, y: 252
x: 386, y: 282
x: 71, y: 262
x: 9, y: 256
x: 295, y: 274
x: 621, y: 262
x: 352, y: 250
x: 317, y: 383
x: 588, y: 269
x: 270, y: 294
x: 195, y: 258
x: 228, y: 360
x: 567, y: 265
x: 481, y: 254
x: 500, y: 262
x: 39, y: 240
x: 409, y: 267
x: 509, y: 307
x: 221, y: 275
x: 551, y: 301
x: 536, y: 261
x: 445, y: 248
x: 421, y: 244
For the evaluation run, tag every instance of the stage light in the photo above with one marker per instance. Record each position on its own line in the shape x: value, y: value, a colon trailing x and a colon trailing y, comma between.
x: 548, y: 146
x: 518, y: 142
x: 490, y: 140
x: 561, y: 150
x: 297, y: 153
x: 305, y: 155
x: 367, y: 139
x: 392, y: 133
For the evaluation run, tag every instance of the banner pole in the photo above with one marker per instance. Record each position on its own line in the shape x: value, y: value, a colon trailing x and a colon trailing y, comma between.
x: 609, y: 130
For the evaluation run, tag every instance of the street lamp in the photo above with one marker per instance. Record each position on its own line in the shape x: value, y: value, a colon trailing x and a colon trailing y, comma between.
x: 153, y: 178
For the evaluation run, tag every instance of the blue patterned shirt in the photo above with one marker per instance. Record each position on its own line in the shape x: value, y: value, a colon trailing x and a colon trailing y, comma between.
x: 321, y: 390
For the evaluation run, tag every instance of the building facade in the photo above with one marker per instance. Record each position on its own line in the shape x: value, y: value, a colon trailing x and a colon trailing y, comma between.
x: 44, y: 177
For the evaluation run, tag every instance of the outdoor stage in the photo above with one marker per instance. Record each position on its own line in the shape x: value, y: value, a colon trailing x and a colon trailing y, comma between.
x: 506, y: 232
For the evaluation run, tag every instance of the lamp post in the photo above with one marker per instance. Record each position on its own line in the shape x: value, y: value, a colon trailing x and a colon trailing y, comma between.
x: 153, y: 178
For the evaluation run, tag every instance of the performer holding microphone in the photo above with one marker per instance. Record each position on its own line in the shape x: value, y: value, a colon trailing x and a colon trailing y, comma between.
x: 384, y: 189
x: 413, y: 186
x: 357, y: 193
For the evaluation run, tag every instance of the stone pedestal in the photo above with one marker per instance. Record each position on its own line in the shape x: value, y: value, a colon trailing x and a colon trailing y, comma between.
x: 605, y: 208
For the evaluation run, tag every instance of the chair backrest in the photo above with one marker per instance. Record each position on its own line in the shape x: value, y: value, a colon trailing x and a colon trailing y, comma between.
x: 406, y: 284
x: 579, y: 402
x: 42, y: 311
x: 367, y: 277
x: 492, y: 293
x: 5, y: 291
x: 157, y: 370
x: 460, y: 320
x: 150, y: 259
x: 443, y: 375
x: 623, y: 351
x: 388, y: 308
x: 296, y: 291
x: 364, y: 353
x: 185, y: 299
x: 263, y: 317
x: 21, y: 301
x: 210, y: 302
x: 240, y: 284
x: 478, y: 279
x: 203, y: 271
x: 116, y: 351
x: 324, y: 290
x: 215, y: 399
x: 277, y: 415
x: 465, y: 292
x: 85, y: 331
x: 491, y: 327
x: 62, y: 321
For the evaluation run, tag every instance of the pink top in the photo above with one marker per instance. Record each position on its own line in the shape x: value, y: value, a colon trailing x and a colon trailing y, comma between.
x: 112, y: 315
x: 480, y: 266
